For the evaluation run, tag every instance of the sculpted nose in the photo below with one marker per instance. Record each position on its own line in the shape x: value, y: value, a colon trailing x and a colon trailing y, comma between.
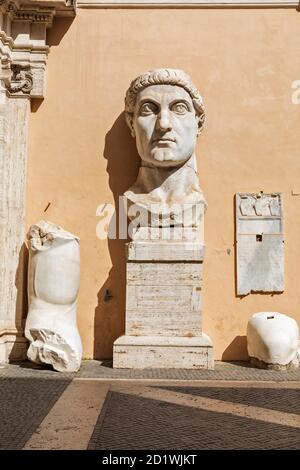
x: 163, y: 121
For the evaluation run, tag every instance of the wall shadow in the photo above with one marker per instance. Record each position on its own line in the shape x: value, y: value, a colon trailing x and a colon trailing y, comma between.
x: 35, y: 104
x: 21, y: 301
x: 21, y: 285
x: 122, y: 167
x: 54, y: 36
x: 59, y: 28
x: 236, y: 350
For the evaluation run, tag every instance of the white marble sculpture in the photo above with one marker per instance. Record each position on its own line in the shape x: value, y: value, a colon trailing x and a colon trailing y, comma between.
x: 273, y: 340
x: 53, y: 284
x: 163, y: 327
x: 165, y: 114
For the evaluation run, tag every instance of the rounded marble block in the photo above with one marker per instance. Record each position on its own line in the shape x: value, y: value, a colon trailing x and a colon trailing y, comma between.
x: 273, y: 338
x: 53, y: 284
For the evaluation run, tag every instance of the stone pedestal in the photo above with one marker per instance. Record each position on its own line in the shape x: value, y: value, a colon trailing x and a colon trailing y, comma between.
x: 163, y: 308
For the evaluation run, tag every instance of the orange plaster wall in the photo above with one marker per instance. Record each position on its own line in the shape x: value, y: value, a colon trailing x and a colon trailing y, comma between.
x: 81, y: 154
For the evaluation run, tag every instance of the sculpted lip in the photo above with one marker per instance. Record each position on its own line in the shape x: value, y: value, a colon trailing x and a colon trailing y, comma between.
x: 163, y: 140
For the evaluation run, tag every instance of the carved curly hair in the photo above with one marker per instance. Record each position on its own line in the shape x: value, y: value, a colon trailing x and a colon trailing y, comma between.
x: 163, y: 77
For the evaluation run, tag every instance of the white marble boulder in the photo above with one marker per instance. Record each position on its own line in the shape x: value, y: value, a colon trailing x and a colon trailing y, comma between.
x: 53, y: 284
x: 273, y: 340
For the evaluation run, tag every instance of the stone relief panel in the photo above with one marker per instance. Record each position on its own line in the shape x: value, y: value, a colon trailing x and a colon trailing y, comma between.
x: 259, y: 243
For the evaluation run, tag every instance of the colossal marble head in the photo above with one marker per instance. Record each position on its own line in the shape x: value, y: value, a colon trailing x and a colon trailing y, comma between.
x: 165, y: 113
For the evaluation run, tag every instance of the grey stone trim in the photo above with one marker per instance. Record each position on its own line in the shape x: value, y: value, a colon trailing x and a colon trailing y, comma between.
x: 187, y: 4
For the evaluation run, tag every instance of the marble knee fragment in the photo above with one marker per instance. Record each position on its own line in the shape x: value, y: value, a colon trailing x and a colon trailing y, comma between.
x: 273, y: 340
x: 53, y: 284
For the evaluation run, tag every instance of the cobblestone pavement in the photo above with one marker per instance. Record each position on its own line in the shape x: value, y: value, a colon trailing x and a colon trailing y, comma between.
x: 133, y: 422
x: 269, y: 398
x: 24, y: 405
x: 104, y: 370
x: 233, y: 407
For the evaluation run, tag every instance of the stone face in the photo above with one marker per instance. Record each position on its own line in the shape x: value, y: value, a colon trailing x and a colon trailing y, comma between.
x: 273, y: 339
x: 165, y: 114
x: 260, y: 243
x: 53, y: 284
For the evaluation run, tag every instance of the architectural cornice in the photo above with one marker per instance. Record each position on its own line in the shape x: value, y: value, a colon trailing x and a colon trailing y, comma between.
x: 187, y: 4
x: 40, y: 9
x: 23, y: 48
x: 63, y: 8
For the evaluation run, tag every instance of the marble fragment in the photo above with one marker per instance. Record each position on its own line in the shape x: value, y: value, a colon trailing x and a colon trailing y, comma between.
x: 273, y: 339
x: 53, y: 284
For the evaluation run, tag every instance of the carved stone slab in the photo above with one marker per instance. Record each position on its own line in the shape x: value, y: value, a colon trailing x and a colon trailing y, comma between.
x: 164, y: 299
x: 163, y: 327
x: 162, y: 352
x: 260, y: 243
x: 165, y: 251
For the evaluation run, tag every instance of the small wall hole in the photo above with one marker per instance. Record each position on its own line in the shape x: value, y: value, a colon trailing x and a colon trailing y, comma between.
x: 259, y: 238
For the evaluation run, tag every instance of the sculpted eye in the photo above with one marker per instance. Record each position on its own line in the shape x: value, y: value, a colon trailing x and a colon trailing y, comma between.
x: 148, y: 108
x: 180, y: 108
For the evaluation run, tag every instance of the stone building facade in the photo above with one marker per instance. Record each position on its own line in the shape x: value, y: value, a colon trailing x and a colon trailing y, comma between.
x: 66, y: 153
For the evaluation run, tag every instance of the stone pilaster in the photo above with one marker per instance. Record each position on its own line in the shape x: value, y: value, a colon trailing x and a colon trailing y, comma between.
x: 23, y: 58
x: 14, y: 142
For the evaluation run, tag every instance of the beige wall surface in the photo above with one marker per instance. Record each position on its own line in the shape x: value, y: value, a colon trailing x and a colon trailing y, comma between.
x: 81, y: 154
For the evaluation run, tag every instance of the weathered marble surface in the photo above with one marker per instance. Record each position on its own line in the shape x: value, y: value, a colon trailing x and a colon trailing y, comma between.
x: 23, y: 58
x: 164, y: 299
x: 273, y: 339
x: 53, y: 284
x: 170, y: 234
x: 163, y: 327
x: 14, y: 119
x: 165, y: 114
x: 162, y: 352
x: 260, y: 243
x: 165, y: 251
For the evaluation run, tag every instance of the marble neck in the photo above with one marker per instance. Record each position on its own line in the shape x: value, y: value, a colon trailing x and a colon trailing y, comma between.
x: 166, y: 185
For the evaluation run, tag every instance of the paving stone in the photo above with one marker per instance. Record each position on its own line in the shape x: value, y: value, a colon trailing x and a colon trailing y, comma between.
x: 133, y: 423
x: 103, y: 369
x: 24, y: 404
x: 286, y: 400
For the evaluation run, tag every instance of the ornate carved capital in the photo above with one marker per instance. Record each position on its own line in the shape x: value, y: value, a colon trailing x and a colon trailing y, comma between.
x: 32, y: 15
x: 21, y: 81
x: 23, y: 49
